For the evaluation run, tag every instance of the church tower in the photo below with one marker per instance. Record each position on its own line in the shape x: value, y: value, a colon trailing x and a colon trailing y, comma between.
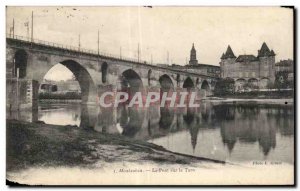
x: 193, y: 56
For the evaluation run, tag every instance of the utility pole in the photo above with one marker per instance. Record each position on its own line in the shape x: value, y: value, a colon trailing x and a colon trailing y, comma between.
x: 32, y: 26
x: 17, y: 92
x: 151, y: 59
x: 168, y: 57
x: 138, y: 52
x: 120, y: 52
x: 98, y: 42
x: 14, y: 69
x: 27, y: 25
x: 79, y: 43
x: 13, y: 29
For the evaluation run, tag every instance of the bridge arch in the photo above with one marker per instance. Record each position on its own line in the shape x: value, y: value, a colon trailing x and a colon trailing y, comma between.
x: 131, y: 81
x: 20, y: 63
x: 205, y: 85
x: 188, y: 83
x: 264, y: 82
x: 243, y: 80
x: 253, y: 82
x: 240, y: 83
x: 166, y: 83
x: 86, y: 83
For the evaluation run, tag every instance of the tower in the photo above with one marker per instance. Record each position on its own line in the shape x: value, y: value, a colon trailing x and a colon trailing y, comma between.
x: 228, y: 54
x: 193, y: 56
x: 227, y: 63
x: 266, y: 62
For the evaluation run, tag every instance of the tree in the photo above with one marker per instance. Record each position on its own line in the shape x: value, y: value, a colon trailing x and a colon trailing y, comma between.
x: 281, y: 80
x: 270, y: 85
x: 250, y: 86
x: 224, y: 87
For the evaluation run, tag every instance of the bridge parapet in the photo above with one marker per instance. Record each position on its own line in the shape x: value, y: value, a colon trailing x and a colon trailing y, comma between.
x: 94, y: 71
x: 82, y: 51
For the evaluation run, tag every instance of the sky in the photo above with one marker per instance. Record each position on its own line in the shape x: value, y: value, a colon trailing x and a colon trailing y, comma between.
x: 161, y: 30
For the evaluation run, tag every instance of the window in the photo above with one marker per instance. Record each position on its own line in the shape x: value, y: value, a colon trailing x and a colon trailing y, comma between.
x: 246, y: 74
x: 54, y: 88
x: 20, y: 61
x: 241, y: 74
x: 104, y: 72
x: 253, y: 74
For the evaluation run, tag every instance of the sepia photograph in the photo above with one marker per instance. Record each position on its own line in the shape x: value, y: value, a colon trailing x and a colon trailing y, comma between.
x: 150, y: 95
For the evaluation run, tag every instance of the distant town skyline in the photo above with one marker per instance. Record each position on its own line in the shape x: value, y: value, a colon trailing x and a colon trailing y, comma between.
x: 160, y: 31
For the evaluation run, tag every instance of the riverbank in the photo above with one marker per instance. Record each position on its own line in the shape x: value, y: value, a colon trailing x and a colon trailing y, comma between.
x: 34, y: 145
x: 42, y: 154
x: 60, y: 101
x: 281, y: 101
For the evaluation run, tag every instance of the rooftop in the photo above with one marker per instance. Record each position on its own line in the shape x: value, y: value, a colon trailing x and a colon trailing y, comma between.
x: 228, y: 54
x: 246, y: 58
x: 265, y: 51
x: 285, y: 63
x: 200, y: 65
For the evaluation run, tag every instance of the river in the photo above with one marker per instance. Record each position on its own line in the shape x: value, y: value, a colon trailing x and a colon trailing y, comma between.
x: 230, y: 132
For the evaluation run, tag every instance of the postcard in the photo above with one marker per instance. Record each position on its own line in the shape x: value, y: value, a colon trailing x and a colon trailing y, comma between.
x: 150, y: 95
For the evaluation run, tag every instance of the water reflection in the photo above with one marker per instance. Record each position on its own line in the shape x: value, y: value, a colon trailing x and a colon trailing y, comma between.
x: 251, y: 124
x: 235, y: 132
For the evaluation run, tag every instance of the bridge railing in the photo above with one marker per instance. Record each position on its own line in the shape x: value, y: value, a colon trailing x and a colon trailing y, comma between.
x: 72, y: 48
x: 89, y: 51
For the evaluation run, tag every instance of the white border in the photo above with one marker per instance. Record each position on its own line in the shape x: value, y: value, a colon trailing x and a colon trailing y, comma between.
x: 5, y: 3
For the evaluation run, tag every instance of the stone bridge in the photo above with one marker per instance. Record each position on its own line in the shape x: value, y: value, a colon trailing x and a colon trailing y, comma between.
x: 96, y: 72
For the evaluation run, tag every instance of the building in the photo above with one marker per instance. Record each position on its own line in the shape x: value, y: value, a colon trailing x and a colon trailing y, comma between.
x: 284, y: 66
x: 49, y: 86
x: 194, y: 67
x: 193, y: 56
x: 205, y: 69
x: 285, y: 69
x: 70, y: 85
x: 254, y: 71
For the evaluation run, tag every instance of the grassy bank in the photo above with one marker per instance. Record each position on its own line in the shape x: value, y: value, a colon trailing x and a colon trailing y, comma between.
x: 258, y: 95
x: 43, y: 145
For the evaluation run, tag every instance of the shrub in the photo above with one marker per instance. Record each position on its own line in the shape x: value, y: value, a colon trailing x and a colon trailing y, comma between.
x: 224, y: 87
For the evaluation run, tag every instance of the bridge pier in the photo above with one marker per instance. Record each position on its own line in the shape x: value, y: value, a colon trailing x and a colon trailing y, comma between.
x: 21, y: 94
